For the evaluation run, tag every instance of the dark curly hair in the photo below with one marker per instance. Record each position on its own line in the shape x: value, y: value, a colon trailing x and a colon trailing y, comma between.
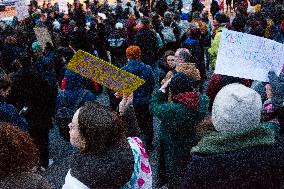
x: 100, y: 127
x: 17, y: 151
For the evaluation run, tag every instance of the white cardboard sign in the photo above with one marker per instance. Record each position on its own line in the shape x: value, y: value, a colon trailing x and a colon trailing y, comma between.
x: 22, y: 10
x: 248, y: 56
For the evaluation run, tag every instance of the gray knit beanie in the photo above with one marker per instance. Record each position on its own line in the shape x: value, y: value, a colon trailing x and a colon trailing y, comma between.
x: 236, y: 108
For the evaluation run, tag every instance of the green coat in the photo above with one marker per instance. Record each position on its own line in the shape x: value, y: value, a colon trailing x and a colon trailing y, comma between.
x: 176, y: 136
x: 213, y: 50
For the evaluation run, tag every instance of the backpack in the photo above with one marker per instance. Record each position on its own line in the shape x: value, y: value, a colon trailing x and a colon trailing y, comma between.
x: 168, y: 34
x: 65, y: 113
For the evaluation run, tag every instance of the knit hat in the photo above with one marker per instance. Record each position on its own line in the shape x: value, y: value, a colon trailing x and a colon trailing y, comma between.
x: 236, y: 108
x: 36, y: 46
x: 181, y: 83
x: 133, y: 52
x: 119, y: 25
x: 56, y: 25
x: 168, y: 15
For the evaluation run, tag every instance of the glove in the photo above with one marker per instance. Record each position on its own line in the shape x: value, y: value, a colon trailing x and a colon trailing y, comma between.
x: 277, y: 84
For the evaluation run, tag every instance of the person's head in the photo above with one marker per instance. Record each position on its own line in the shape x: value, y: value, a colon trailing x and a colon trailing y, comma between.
x: 145, y: 21
x: 168, y: 16
x: 169, y: 59
x: 196, y: 15
x: 181, y: 83
x: 221, y: 18
x: 238, y: 24
x: 17, y: 151
x: 257, y: 30
x: 182, y: 55
x: 133, y: 53
x: 236, y: 108
x: 5, y: 84
x: 195, y: 33
x: 94, y: 128
x: 119, y: 26
x: 36, y: 46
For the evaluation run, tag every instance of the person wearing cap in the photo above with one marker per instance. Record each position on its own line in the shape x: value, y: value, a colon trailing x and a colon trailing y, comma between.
x: 142, y: 96
x: 178, y: 113
x: 241, y: 153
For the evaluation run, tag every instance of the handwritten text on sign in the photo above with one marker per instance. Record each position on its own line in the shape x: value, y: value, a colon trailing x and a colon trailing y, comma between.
x: 248, y: 56
x: 22, y: 10
x: 104, y: 73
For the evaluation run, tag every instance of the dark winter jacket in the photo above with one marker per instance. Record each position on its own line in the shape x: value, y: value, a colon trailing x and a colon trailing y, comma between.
x: 142, y: 95
x: 74, y: 86
x: 257, y: 163
x: 29, y: 89
x: 8, y: 113
x: 146, y: 39
x: 197, y: 55
x: 9, y: 54
x: 118, y: 45
x: 177, y: 132
x: 45, y: 66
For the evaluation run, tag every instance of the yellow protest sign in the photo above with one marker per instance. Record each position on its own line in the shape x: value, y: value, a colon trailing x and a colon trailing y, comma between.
x: 104, y: 73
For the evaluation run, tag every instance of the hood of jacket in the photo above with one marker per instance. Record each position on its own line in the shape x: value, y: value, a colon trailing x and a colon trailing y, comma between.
x: 190, y: 70
x: 222, y: 142
x: 188, y: 99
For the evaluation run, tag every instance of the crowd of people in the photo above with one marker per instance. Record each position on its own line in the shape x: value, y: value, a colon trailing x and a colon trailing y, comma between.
x: 215, y: 131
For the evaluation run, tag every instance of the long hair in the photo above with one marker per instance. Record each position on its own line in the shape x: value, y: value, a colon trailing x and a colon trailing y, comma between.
x: 100, y: 128
x: 18, y: 153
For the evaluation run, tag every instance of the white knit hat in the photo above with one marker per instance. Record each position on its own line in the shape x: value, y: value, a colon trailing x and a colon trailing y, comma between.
x: 119, y: 25
x: 56, y: 25
x: 236, y: 108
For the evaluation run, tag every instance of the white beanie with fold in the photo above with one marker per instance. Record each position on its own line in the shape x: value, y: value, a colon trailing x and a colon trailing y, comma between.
x: 236, y: 108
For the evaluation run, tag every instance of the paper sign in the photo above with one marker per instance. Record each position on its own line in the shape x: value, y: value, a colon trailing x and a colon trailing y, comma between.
x: 42, y: 36
x: 104, y: 73
x: 248, y: 56
x: 62, y: 4
x: 22, y: 10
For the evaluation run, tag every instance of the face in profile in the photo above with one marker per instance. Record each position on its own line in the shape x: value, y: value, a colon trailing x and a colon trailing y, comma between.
x: 75, y: 137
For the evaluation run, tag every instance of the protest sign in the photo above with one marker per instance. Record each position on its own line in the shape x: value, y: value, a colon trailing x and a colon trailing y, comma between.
x: 248, y: 56
x: 63, y: 8
x: 22, y: 10
x: 42, y: 36
x: 104, y: 73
